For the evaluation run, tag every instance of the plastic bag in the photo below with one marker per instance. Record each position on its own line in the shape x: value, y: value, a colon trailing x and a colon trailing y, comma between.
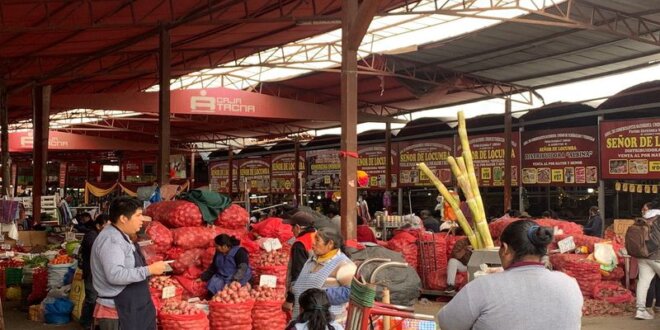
x: 13, y: 231
x: 60, y: 275
x: 58, y: 311
x: 231, y: 316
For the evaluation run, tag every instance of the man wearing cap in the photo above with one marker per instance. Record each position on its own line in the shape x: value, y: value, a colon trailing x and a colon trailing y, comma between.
x: 302, y: 224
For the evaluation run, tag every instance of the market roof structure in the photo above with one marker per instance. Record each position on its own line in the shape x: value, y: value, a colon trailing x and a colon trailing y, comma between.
x: 111, y: 46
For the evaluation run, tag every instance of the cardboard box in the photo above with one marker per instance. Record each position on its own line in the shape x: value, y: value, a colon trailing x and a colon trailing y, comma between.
x: 621, y: 226
x: 29, y: 238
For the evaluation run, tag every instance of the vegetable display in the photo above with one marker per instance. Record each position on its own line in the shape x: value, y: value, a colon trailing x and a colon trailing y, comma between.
x: 61, y: 260
x: 37, y: 261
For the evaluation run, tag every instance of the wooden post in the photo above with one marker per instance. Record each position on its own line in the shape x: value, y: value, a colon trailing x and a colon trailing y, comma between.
x: 164, y: 58
x: 41, y: 110
x: 296, y: 170
x: 507, y: 154
x: 4, y: 139
x: 230, y: 170
x: 386, y: 300
x: 192, y: 169
x: 348, y: 122
x: 601, y: 186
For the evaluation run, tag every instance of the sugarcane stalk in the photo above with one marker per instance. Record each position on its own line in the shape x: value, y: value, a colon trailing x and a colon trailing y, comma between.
x: 479, y: 221
x: 469, y: 196
x: 453, y: 202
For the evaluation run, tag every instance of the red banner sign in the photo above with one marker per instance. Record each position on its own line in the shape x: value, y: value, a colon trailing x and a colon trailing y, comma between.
x: 283, y: 172
x: 373, y: 159
x: 488, y: 157
x: 630, y: 149
x: 23, y: 142
x: 257, y: 174
x: 433, y: 153
x: 219, y: 177
x: 323, y: 170
x: 62, y: 174
x: 131, y: 168
x: 560, y: 157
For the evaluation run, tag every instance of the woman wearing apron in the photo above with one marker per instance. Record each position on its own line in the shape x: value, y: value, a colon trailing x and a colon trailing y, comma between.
x: 330, y: 269
x: 230, y: 263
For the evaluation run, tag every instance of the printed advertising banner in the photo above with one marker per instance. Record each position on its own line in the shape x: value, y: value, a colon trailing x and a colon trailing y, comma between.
x: 488, y: 157
x: 323, y: 170
x: 630, y: 149
x: 372, y: 160
x: 432, y: 152
x: 219, y: 177
x: 257, y: 174
x: 283, y: 172
x: 560, y: 157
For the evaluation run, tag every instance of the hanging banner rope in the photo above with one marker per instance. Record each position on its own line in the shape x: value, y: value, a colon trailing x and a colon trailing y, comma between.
x: 127, y: 191
x: 96, y: 191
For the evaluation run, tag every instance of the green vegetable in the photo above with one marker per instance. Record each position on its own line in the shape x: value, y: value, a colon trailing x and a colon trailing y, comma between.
x: 38, y: 261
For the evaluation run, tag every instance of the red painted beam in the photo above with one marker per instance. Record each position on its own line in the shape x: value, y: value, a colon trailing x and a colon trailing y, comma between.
x: 211, y: 101
x: 24, y: 141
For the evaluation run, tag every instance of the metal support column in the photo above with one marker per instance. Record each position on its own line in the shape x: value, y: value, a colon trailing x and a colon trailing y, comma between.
x: 4, y: 139
x: 521, y: 189
x: 296, y: 169
x: 507, y: 154
x: 388, y: 160
x: 41, y: 110
x: 601, y: 186
x: 230, y: 171
x: 164, y: 59
x: 192, y: 169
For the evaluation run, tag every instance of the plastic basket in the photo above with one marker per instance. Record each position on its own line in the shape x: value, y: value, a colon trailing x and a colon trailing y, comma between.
x: 13, y: 276
x: 411, y: 324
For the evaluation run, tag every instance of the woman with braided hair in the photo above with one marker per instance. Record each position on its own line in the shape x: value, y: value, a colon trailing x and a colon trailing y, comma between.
x: 524, y: 296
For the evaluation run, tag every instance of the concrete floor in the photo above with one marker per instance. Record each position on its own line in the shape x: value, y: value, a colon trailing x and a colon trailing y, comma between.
x: 17, y: 320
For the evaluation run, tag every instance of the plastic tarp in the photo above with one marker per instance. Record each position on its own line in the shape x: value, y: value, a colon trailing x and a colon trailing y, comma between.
x: 404, y: 283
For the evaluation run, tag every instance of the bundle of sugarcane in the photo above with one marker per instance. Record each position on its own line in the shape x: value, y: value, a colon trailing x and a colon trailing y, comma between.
x: 463, y: 170
x: 449, y: 198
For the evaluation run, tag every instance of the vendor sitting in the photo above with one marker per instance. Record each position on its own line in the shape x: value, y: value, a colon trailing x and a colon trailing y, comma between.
x: 230, y: 263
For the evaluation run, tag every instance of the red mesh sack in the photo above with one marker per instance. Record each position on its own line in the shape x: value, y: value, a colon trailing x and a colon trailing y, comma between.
x: 267, y: 312
x: 231, y: 316
x: 586, y: 272
x: 181, y: 315
x: 175, y: 214
x: 193, y: 237
x: 497, y: 226
x: 432, y: 249
x: 233, y: 217
x: 194, y: 288
x: 273, y: 228
x: 160, y: 235
x: 568, y: 227
x: 405, y: 243
x: 174, y: 253
x: 190, y: 258
x: 39, y: 285
x: 437, y: 280
x: 207, y: 257
x: 595, y: 307
x: 612, y: 293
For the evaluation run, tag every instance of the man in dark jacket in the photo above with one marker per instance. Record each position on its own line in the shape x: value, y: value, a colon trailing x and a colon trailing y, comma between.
x: 302, y: 224
x: 430, y: 223
x: 594, y: 226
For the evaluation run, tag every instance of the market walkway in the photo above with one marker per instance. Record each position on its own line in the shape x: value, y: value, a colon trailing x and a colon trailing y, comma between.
x: 16, y: 320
